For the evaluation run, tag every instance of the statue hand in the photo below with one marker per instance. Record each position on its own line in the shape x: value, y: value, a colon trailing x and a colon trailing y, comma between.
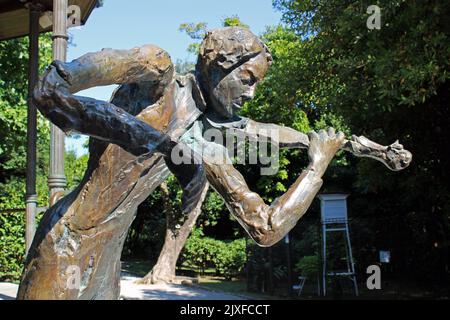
x: 323, y: 147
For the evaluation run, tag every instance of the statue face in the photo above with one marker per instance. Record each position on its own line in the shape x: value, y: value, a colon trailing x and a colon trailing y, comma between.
x: 232, y: 61
x: 237, y: 87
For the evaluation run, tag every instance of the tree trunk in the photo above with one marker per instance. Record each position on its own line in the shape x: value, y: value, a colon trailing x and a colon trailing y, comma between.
x: 177, y: 232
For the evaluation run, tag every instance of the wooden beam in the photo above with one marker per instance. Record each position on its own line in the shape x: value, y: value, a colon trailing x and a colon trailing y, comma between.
x: 11, y: 6
x: 14, y: 22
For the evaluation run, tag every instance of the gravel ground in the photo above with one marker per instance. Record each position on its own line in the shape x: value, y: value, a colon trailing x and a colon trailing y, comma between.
x: 132, y: 291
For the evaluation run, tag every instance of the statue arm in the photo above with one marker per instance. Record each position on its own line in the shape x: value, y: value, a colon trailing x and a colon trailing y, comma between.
x: 394, y: 156
x: 284, y: 137
x: 102, y: 120
x: 269, y: 224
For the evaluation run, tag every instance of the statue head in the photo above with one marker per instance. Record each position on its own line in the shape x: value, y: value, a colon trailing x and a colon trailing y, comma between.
x: 231, y: 62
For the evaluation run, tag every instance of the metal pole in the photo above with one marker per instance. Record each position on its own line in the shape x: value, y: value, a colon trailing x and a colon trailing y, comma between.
x: 247, y: 264
x: 287, y: 240
x: 348, y: 250
x: 33, y: 70
x: 352, y: 264
x: 324, y: 260
x: 57, y: 178
x: 271, y: 283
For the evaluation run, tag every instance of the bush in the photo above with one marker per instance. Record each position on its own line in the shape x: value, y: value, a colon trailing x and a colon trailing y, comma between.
x: 12, y: 225
x: 12, y: 245
x: 199, y: 251
x: 228, y: 258
x: 308, y: 266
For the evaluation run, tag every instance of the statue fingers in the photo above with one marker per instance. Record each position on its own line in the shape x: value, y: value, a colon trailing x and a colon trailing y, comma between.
x: 323, y: 135
x: 340, y: 136
x: 313, y: 136
x: 331, y: 133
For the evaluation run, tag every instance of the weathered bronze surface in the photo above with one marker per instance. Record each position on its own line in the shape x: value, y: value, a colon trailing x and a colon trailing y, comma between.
x: 132, y: 139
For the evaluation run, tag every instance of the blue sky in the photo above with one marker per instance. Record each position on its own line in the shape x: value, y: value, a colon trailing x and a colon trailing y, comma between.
x: 125, y: 24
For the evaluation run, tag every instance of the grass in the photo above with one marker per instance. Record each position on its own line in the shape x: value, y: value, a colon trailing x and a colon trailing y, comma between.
x: 238, y: 287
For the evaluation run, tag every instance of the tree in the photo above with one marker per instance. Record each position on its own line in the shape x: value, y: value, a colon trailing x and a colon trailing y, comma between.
x: 387, y: 83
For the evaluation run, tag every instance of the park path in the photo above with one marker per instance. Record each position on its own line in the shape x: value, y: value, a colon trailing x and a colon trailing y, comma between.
x: 131, y: 291
x: 8, y: 291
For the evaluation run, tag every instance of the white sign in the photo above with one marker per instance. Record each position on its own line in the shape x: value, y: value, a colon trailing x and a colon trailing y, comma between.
x: 333, y: 207
x: 385, y: 256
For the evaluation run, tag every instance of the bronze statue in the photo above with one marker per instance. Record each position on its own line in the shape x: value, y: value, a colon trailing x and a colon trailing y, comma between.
x: 133, y: 140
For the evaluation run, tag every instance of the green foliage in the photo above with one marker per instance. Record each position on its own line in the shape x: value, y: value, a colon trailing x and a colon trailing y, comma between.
x: 147, y: 232
x: 403, y: 63
x: 13, y: 128
x: 226, y: 257
x: 212, y: 209
x: 278, y: 100
x: 196, y: 31
x: 12, y: 244
x: 386, y: 84
x: 199, y: 251
x: 230, y: 259
x: 75, y: 168
x: 308, y: 267
x: 13, y: 123
x: 234, y: 21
